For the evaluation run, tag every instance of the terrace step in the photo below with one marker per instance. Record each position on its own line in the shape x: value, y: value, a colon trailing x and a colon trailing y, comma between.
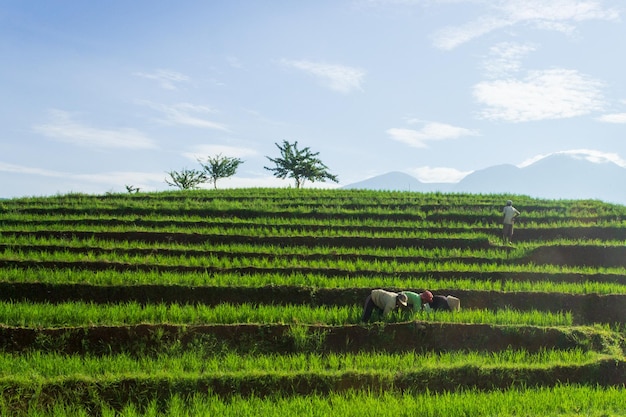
x: 124, y: 389
x: 195, y: 238
x: 415, y: 336
x: 561, y: 255
x: 585, y: 308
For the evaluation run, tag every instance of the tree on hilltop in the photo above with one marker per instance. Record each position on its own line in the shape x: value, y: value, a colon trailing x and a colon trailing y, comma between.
x: 219, y: 166
x: 299, y: 164
x: 186, y: 179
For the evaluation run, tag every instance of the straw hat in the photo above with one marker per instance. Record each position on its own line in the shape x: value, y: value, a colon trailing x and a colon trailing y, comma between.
x: 402, y: 299
x: 454, y: 303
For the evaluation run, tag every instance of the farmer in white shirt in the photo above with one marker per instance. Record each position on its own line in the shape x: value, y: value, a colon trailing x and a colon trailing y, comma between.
x: 383, y: 301
x: 510, y: 213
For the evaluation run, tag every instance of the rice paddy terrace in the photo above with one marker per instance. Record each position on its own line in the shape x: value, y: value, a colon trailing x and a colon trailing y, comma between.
x: 248, y: 302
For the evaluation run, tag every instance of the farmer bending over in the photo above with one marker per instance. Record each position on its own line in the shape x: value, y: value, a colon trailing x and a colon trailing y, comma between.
x: 383, y: 301
x: 418, y: 302
x: 449, y: 303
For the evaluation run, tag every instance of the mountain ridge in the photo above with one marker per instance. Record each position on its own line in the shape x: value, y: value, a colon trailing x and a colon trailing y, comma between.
x: 553, y: 177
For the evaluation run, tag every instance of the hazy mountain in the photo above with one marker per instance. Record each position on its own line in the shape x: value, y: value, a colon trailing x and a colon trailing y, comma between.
x: 556, y: 177
x: 398, y: 181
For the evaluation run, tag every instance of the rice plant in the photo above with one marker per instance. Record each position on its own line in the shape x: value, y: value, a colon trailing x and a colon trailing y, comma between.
x: 70, y: 314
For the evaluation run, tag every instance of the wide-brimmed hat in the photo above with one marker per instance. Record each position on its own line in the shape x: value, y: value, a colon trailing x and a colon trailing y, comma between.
x: 427, y: 296
x: 454, y: 303
x: 402, y: 299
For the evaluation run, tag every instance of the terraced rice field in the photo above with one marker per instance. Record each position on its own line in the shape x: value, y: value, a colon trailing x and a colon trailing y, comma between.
x: 248, y: 302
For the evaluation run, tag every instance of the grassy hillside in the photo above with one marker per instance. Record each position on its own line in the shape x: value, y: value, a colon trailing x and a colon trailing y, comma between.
x: 224, y: 301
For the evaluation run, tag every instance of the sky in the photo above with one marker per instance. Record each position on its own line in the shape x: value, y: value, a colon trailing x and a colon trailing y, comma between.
x: 98, y: 96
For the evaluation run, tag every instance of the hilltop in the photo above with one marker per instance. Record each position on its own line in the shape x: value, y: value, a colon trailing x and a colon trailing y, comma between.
x: 122, y: 300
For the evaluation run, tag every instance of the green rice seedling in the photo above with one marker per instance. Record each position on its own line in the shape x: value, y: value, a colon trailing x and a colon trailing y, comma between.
x: 265, y: 277
x: 41, y: 366
x: 307, y: 341
x: 36, y: 231
x: 23, y: 314
x: 403, y: 254
x: 561, y: 400
x: 500, y: 316
x: 348, y: 266
x: 496, y: 253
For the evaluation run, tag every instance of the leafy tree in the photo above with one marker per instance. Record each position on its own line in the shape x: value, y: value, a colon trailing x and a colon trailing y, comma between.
x: 299, y: 164
x: 187, y: 179
x: 219, y: 166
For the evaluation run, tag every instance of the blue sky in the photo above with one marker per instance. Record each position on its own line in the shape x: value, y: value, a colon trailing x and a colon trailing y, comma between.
x: 100, y: 95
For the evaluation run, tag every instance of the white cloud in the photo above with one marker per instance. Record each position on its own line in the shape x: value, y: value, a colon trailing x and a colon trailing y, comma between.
x: 145, y: 181
x: 117, y: 178
x: 613, y: 118
x: 549, y: 94
x: 590, y: 155
x: 339, y: 78
x: 559, y: 15
x: 120, y: 178
x: 65, y: 129
x: 431, y: 131
x: 505, y: 58
x: 203, y: 151
x: 186, y: 114
x: 556, y: 10
x: 439, y: 174
x: 20, y: 169
x: 451, y: 37
x: 167, y: 79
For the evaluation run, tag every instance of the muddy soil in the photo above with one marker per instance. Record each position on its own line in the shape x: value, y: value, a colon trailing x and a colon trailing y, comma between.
x: 418, y: 336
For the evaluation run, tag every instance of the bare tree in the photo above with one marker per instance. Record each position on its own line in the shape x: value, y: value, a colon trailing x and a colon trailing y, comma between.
x: 186, y: 179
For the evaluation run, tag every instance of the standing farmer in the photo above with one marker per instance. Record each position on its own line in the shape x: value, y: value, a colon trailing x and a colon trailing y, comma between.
x: 383, y: 301
x: 510, y: 213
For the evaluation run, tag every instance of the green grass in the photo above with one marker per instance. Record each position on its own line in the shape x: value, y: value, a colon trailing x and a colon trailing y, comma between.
x: 71, y: 314
x: 559, y: 401
x: 40, y: 366
x: 458, y: 281
x: 38, y: 382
